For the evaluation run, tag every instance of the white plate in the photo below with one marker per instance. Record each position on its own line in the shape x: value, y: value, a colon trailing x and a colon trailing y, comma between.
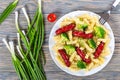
x: 80, y: 72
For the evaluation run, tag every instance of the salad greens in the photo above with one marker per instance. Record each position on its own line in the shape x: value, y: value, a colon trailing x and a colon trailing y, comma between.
x: 27, y: 55
x: 92, y: 43
x: 83, y: 26
x: 81, y: 42
x: 81, y: 64
x: 99, y: 32
x: 64, y: 37
x: 9, y: 9
x: 69, y: 49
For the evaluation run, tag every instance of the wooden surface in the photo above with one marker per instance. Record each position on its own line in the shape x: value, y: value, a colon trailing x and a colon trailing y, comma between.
x: 60, y: 7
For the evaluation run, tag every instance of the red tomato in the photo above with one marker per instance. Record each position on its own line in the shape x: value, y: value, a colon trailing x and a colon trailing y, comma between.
x: 51, y: 17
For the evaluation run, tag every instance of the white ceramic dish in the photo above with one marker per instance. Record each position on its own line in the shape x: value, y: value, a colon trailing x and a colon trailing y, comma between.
x: 80, y: 72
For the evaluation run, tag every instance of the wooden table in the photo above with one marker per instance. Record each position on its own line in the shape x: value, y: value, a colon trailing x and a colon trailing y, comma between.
x: 60, y: 7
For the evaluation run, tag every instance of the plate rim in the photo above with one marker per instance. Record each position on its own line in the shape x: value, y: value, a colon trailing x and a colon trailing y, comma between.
x: 53, y: 58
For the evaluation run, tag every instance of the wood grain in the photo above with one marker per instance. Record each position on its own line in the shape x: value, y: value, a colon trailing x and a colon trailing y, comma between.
x: 60, y: 7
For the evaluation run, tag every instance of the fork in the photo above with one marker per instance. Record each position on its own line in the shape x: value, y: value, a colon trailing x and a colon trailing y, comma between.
x: 105, y: 16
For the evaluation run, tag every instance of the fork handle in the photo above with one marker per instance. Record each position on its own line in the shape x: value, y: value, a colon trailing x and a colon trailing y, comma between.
x: 116, y: 3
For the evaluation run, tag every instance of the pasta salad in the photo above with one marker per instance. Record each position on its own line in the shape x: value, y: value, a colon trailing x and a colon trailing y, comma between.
x: 81, y: 42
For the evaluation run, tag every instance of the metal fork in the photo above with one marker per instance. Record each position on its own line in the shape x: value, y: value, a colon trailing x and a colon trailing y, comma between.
x: 105, y: 16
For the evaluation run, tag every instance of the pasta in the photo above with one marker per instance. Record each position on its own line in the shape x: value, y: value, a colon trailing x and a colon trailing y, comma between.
x: 88, y: 24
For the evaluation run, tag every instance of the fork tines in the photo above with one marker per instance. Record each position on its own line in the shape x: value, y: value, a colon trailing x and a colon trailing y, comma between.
x: 104, y: 18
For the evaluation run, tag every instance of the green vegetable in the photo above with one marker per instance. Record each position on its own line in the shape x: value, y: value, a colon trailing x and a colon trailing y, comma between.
x: 92, y: 43
x: 64, y: 37
x: 81, y: 19
x: 81, y: 64
x: 9, y: 9
x: 99, y: 32
x: 83, y: 26
x: 27, y: 56
x: 81, y: 42
x: 69, y: 49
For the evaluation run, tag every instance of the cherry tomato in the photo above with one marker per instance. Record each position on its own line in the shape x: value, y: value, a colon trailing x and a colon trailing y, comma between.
x: 51, y: 17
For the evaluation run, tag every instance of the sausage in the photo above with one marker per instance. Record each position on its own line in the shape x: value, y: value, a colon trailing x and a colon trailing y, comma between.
x: 99, y: 49
x: 65, y: 28
x: 64, y: 57
x: 82, y: 34
x: 82, y: 55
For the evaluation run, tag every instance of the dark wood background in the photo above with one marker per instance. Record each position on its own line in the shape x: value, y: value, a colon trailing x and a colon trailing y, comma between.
x: 60, y: 7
